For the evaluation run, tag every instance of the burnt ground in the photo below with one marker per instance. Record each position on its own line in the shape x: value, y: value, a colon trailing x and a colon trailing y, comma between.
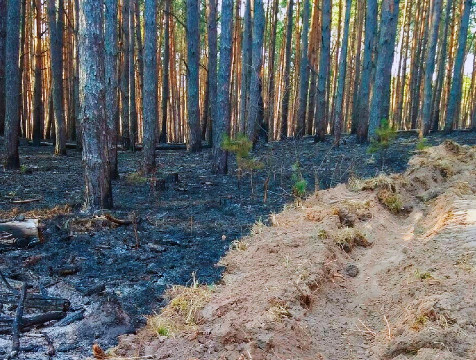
x: 183, y: 229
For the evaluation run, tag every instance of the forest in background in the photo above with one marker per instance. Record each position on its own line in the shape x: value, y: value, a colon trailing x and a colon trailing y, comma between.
x: 193, y: 71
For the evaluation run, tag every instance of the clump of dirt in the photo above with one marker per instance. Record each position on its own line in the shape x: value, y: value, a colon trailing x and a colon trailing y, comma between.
x: 288, y: 292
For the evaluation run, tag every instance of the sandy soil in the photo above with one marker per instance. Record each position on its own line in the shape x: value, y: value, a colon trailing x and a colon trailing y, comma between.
x: 376, y: 269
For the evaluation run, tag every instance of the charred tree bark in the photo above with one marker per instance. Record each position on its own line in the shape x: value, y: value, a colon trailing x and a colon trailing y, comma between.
x: 193, y: 78
x: 363, y: 105
x: 212, y: 62
x: 287, y: 69
x: 380, y: 105
x: 38, y: 113
x: 125, y: 80
x: 254, y: 110
x: 12, y: 78
x: 304, y: 72
x: 150, y: 85
x: 246, y: 59
x: 322, y: 80
x: 3, y: 39
x: 272, y: 57
x: 112, y: 106
x: 430, y: 68
x: 98, y: 194
x: 165, y: 77
x: 221, y: 127
x: 455, y: 93
x: 55, y: 20
x: 132, y: 77
x: 342, y: 75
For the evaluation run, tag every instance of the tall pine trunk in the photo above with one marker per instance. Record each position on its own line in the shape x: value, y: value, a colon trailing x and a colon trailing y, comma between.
x: 221, y: 127
x: 339, y: 100
x: 92, y: 87
x: 193, y: 76
x: 322, y: 103
x: 38, y: 88
x: 12, y: 78
x: 246, y: 59
x: 165, y: 77
x: 430, y: 67
x: 287, y: 70
x: 272, y: 75
x: 304, y: 72
x: 125, y: 80
x: 380, y: 104
x: 55, y: 19
x: 3, y: 39
x: 150, y: 85
x: 455, y: 93
x: 368, y: 62
x: 112, y: 106
x: 254, y: 110
x: 132, y: 77
x: 212, y: 62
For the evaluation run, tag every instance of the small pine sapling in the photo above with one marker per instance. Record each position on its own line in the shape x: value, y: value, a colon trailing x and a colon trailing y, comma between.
x: 386, y: 135
x: 422, y: 144
x: 299, y: 183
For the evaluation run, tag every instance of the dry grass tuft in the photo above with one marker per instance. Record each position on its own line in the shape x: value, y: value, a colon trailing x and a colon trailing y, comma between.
x: 348, y: 238
x: 40, y: 214
x: 381, y: 181
x: 391, y: 200
x: 182, y: 314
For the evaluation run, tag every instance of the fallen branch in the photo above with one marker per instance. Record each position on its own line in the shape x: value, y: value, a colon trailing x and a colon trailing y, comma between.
x: 6, y: 323
x: 118, y: 221
x: 26, y: 201
x: 37, y: 301
x: 17, y: 323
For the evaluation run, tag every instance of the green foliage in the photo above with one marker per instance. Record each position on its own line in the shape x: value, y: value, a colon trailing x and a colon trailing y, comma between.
x: 135, y: 178
x: 385, y: 136
x: 299, y: 183
x: 422, y: 144
x: 241, y: 146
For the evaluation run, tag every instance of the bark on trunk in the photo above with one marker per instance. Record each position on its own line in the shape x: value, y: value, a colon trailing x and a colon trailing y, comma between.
x: 12, y: 78
x: 98, y: 194
x: 287, y: 68
x: 38, y: 88
x: 132, y: 78
x: 3, y: 38
x: 150, y: 85
x: 304, y: 72
x: 212, y: 63
x: 126, y: 141
x: 165, y: 77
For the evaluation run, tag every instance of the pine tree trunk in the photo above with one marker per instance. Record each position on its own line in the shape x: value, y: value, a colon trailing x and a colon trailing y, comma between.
x: 430, y: 68
x: 125, y: 80
x: 77, y: 109
x: 132, y: 78
x: 112, y: 106
x: 3, y: 39
x: 165, y: 76
x: 304, y: 72
x: 322, y: 104
x: 380, y: 104
x: 255, y: 82
x: 98, y: 194
x: 140, y: 62
x: 272, y: 75
x: 246, y: 59
x: 55, y: 19
x: 150, y: 85
x: 221, y: 126
x: 37, y: 100
x: 455, y: 93
x: 212, y: 63
x: 12, y: 78
x: 287, y: 69
x: 342, y: 75
x: 193, y: 79
x: 363, y: 106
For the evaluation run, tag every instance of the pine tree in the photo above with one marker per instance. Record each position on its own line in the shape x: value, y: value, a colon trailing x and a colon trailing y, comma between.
x: 304, y: 72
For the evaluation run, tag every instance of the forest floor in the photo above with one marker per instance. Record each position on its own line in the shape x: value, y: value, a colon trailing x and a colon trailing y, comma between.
x: 183, y: 229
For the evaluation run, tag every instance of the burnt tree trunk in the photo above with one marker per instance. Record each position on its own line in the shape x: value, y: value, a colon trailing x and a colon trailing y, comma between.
x: 304, y: 72
x: 287, y: 69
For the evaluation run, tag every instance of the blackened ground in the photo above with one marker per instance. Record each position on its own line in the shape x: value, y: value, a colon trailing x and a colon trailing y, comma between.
x: 183, y: 229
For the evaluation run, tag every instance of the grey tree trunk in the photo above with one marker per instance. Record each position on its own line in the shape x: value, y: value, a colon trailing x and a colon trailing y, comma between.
x: 441, y: 68
x: 272, y: 56
x: 3, y: 38
x: 256, y: 62
x: 430, y: 68
x: 140, y: 57
x: 380, y: 104
x: 304, y: 72
x: 221, y: 127
x: 37, y: 90
x: 126, y: 141
x: 132, y: 78
x: 92, y: 87
x: 287, y: 69
x: 212, y: 62
x: 368, y: 64
x: 77, y: 109
x: 165, y: 78
x: 193, y: 82
x: 455, y: 93
x: 342, y: 74
x: 12, y: 78
x: 245, y: 66
x: 324, y: 65
x: 56, y: 25
x: 150, y: 84
x: 112, y: 106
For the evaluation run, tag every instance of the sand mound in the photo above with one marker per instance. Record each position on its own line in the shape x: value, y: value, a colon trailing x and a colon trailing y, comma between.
x: 374, y: 269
